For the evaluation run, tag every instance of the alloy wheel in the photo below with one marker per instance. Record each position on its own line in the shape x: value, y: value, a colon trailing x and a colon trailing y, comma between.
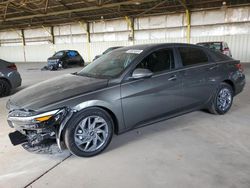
x: 91, y: 133
x: 224, y: 99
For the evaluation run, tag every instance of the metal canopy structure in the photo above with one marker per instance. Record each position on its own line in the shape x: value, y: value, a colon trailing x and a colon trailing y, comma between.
x: 19, y: 14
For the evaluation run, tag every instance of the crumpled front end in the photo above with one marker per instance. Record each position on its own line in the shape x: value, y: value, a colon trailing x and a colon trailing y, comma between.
x: 36, y: 131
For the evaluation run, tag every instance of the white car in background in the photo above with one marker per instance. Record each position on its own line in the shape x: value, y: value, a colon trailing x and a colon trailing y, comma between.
x: 219, y: 45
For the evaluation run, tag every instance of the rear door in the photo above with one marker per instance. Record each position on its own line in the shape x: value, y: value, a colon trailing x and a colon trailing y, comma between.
x: 147, y: 99
x: 196, y: 73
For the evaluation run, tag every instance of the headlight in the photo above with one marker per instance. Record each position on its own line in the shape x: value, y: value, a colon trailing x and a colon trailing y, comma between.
x: 24, y: 117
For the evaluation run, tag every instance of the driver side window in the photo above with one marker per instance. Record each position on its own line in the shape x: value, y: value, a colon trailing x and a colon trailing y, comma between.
x: 158, y: 61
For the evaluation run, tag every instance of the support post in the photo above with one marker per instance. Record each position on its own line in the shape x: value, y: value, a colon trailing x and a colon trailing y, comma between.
x: 130, y: 22
x: 88, y: 33
x: 24, y: 44
x: 52, y: 35
x: 86, y: 29
x: 23, y: 37
x: 188, y: 18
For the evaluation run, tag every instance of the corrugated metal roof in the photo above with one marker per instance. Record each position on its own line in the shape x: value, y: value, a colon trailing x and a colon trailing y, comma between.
x: 32, y: 13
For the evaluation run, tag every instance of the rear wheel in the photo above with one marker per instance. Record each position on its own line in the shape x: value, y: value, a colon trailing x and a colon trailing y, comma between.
x: 81, y: 63
x: 89, y: 132
x: 64, y: 64
x: 5, y: 88
x: 222, y: 100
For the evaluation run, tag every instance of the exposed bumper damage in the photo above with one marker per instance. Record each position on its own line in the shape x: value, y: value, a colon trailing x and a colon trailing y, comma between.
x: 38, y: 132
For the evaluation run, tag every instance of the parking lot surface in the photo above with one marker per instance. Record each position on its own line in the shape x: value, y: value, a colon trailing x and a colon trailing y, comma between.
x: 194, y: 150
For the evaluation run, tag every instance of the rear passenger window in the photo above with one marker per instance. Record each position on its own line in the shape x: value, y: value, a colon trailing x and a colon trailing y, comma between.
x: 191, y: 56
x: 217, y: 56
x: 158, y: 61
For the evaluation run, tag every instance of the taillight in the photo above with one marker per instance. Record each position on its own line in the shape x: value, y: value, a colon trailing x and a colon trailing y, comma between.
x: 239, y: 67
x: 12, y: 66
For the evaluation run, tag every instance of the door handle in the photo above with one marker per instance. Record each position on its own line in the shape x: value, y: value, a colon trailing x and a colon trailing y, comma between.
x: 172, y: 78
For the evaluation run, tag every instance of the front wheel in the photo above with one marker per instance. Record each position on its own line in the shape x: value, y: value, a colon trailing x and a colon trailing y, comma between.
x: 89, y: 132
x: 223, y: 99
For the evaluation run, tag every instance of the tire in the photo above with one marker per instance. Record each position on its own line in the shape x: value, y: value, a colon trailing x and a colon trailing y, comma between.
x: 64, y: 65
x: 52, y: 68
x: 81, y: 63
x: 5, y: 88
x: 80, y: 135
x: 216, y: 104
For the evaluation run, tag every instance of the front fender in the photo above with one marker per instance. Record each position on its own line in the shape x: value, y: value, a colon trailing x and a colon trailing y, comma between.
x: 84, y: 105
x: 92, y: 103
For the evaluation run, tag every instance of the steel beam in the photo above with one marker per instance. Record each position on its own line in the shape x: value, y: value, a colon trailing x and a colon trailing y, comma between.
x: 73, y: 10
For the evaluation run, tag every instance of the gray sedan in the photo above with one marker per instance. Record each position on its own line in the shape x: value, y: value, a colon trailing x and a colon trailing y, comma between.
x: 122, y: 90
x: 9, y: 77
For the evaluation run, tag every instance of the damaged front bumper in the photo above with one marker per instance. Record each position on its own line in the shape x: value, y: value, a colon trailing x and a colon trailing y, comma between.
x: 38, y: 130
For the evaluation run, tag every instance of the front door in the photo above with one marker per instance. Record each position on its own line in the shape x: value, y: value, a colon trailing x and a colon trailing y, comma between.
x: 150, y: 98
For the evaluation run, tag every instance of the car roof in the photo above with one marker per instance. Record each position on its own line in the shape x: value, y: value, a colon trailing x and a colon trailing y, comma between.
x: 115, y: 47
x: 210, y: 42
x: 66, y: 50
x: 150, y: 46
x: 4, y: 62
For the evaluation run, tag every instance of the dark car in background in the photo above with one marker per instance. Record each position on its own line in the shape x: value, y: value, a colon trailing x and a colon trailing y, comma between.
x: 64, y: 58
x: 9, y: 77
x: 219, y: 46
x: 107, y: 51
x: 125, y: 89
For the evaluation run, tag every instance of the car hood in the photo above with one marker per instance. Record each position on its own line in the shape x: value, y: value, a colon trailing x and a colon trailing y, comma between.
x: 54, y: 90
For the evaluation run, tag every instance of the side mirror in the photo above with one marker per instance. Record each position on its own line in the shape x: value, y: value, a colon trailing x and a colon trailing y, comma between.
x: 141, y: 73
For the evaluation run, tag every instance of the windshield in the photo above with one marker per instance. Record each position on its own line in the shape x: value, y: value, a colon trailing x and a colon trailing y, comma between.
x: 58, y: 54
x: 110, y: 65
x: 213, y: 45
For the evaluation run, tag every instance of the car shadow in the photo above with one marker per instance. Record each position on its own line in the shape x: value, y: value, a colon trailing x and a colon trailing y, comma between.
x: 141, y: 133
x: 184, y: 122
x: 45, y: 68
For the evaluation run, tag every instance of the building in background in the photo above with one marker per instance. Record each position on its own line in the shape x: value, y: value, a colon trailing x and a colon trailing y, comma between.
x: 226, y: 24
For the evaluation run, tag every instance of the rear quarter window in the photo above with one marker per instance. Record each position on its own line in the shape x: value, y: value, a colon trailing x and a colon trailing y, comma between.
x: 192, y: 56
x: 225, y: 45
x: 3, y: 63
x: 218, y: 56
